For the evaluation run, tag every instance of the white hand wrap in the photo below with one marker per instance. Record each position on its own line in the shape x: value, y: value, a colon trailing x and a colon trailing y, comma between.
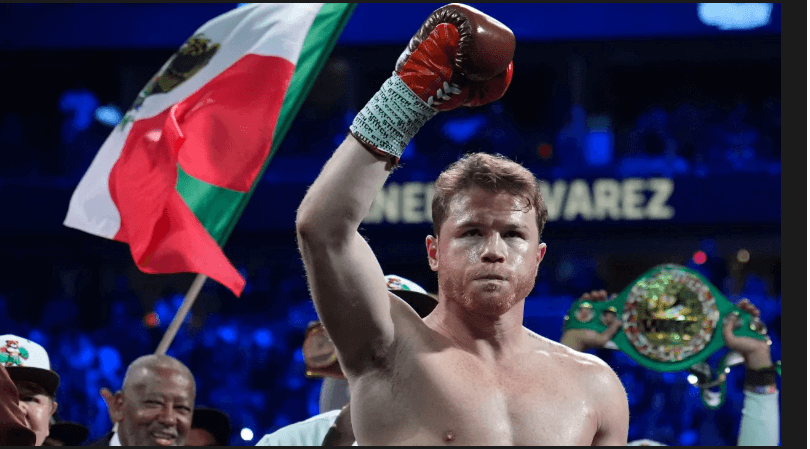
x: 391, y: 118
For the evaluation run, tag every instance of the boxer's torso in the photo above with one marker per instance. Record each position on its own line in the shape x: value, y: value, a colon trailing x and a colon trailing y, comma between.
x: 434, y: 392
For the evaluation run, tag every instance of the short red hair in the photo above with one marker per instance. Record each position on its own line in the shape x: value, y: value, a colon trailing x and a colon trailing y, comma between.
x: 496, y: 173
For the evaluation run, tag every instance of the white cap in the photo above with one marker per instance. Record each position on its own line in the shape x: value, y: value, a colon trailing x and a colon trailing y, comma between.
x: 28, y: 361
x: 412, y: 293
x: 395, y: 282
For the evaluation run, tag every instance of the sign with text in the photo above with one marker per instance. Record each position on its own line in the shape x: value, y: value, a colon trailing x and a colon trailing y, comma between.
x: 728, y: 200
x: 680, y: 200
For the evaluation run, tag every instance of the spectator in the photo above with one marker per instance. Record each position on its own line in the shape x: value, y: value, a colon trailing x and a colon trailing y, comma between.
x: 209, y: 427
x: 740, y: 139
x: 29, y: 367
x: 154, y: 406
x: 653, y: 148
x: 64, y: 433
x: 570, y: 145
x: 687, y: 127
x: 771, y: 144
x: 14, y: 430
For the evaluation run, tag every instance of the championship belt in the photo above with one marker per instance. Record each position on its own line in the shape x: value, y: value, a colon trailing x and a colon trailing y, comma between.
x: 672, y: 320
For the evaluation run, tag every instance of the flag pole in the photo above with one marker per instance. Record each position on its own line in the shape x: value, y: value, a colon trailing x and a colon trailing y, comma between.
x: 180, y: 316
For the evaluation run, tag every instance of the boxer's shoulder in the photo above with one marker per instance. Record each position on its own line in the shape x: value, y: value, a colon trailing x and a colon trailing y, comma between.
x: 550, y: 352
x: 580, y: 372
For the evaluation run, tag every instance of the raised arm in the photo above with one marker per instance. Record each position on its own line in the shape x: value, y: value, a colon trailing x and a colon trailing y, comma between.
x: 459, y: 57
x: 760, y: 414
x: 345, y: 279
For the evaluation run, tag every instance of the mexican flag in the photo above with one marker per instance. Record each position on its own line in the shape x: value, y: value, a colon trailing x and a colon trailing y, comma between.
x: 174, y: 176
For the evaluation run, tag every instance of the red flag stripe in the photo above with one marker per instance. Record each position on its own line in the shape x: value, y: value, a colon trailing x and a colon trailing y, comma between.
x: 163, y: 234
x: 227, y: 126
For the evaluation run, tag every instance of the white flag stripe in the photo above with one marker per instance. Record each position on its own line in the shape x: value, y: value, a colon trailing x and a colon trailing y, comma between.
x: 91, y: 207
x: 261, y: 29
x: 276, y: 29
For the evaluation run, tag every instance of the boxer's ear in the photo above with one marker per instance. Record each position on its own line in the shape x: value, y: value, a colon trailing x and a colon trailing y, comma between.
x: 432, y: 245
x: 541, y: 252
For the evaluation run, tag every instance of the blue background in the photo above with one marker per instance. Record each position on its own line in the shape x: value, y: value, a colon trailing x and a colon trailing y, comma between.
x: 601, y: 91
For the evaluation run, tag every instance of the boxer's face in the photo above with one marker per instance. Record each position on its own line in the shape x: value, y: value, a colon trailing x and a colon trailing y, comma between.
x: 488, y: 251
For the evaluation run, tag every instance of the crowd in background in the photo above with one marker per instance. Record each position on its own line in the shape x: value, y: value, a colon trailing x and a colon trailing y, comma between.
x: 246, y: 354
x: 688, y: 140
x: 250, y: 364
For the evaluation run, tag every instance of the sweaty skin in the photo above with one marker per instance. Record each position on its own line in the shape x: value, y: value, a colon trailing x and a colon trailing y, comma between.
x: 469, y: 373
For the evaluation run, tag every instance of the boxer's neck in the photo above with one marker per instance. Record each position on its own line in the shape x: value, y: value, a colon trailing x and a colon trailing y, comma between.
x: 490, y: 338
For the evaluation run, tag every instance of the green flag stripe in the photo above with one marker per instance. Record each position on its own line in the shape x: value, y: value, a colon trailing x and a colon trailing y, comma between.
x: 203, y: 198
x: 213, y: 205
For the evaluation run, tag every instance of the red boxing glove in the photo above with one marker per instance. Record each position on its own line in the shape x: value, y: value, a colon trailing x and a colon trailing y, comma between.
x: 460, y: 56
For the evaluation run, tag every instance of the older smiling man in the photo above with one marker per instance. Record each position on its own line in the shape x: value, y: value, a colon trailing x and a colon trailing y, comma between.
x: 155, y: 405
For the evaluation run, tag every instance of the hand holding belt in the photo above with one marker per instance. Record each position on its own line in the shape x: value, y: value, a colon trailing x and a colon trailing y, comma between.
x: 671, y: 320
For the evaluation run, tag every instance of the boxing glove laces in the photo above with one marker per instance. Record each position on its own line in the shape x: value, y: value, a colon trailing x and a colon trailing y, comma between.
x: 459, y: 57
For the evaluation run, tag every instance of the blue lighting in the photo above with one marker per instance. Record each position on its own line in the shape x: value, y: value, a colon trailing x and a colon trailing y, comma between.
x: 301, y: 315
x: 177, y: 301
x: 313, y: 400
x: 78, y: 106
x: 688, y: 438
x: 164, y: 313
x: 246, y: 274
x: 462, y: 130
x: 82, y: 103
x: 338, y: 138
x: 295, y: 381
x: 85, y: 357
x: 227, y: 333
x: 599, y: 148
x: 298, y: 356
x: 110, y: 360
x: 38, y: 337
x: 108, y: 115
x: 281, y: 421
x: 263, y: 338
x: 624, y: 359
x: 735, y: 16
x: 408, y: 152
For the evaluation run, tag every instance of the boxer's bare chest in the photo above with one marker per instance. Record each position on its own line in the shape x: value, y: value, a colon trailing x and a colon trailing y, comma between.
x: 451, y: 397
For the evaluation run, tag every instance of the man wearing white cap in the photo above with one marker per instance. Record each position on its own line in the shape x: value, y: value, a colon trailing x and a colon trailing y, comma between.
x: 14, y: 429
x: 29, y: 367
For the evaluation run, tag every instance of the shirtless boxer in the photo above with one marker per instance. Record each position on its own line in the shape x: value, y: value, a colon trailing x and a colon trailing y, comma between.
x: 469, y: 373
